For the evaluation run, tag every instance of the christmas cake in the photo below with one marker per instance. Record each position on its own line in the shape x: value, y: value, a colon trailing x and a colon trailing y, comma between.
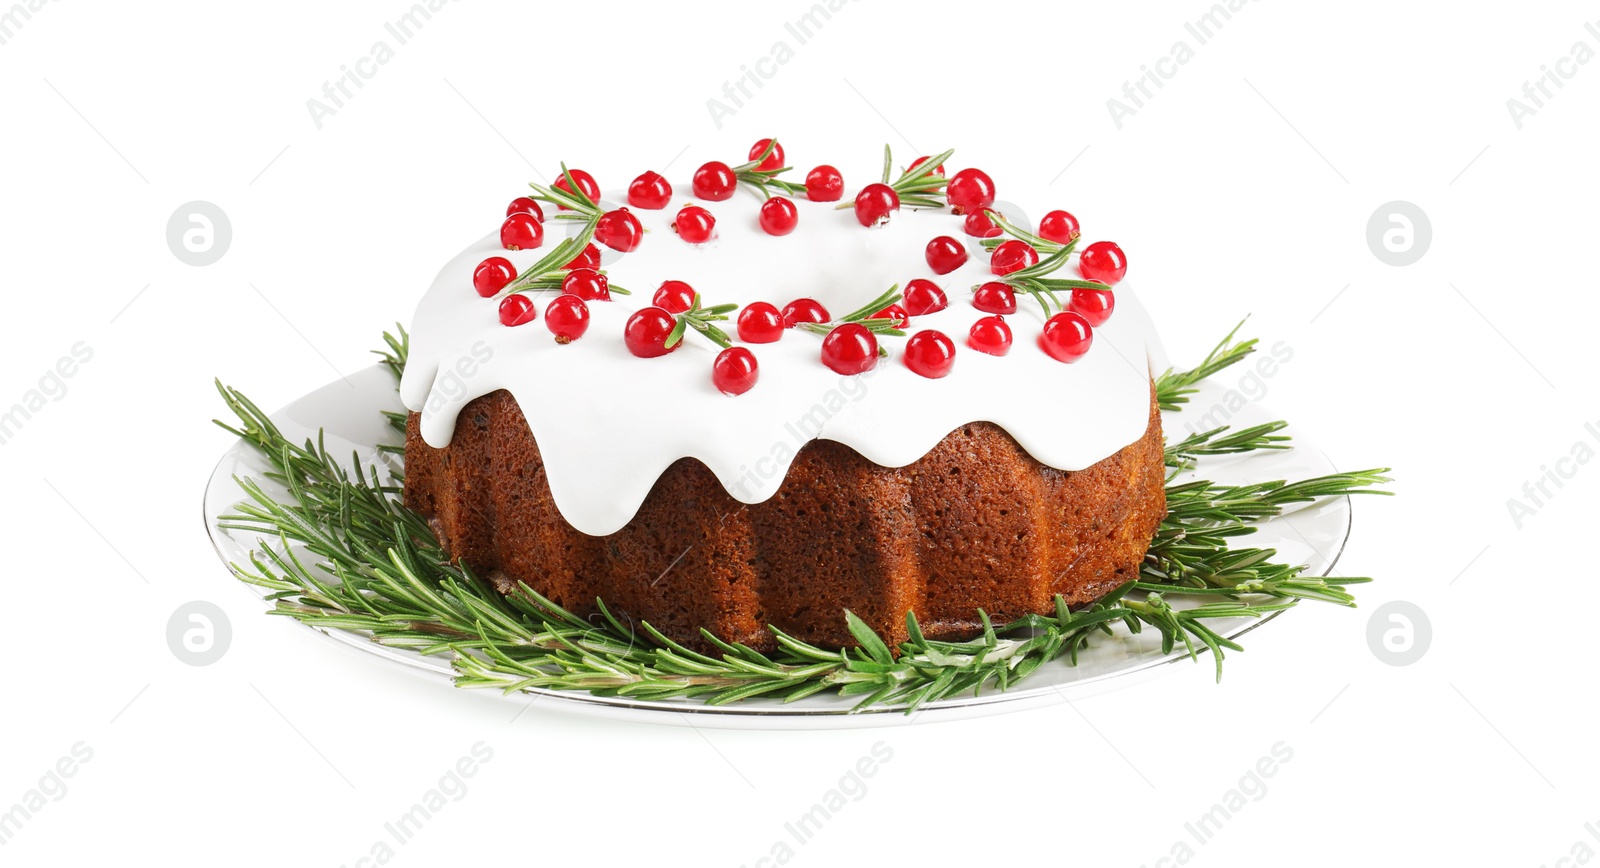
x: 729, y: 409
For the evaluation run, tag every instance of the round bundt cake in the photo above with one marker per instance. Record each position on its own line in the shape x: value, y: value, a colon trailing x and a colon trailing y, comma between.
x: 698, y: 459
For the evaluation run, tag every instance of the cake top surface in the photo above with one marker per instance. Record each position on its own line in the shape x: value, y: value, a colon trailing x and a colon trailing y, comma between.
x: 609, y: 422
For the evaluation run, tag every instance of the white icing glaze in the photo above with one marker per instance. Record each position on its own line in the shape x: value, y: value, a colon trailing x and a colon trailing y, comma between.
x: 609, y: 423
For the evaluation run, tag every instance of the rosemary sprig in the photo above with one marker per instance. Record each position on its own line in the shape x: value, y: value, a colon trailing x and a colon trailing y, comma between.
x: 393, y: 356
x: 396, y: 350
x: 340, y: 551
x: 1044, y: 245
x: 917, y: 188
x: 765, y: 181
x: 867, y: 316
x: 1035, y: 280
x: 577, y: 203
x: 1174, y: 388
x: 1192, y: 503
x: 701, y: 319
x: 1191, y: 549
x: 552, y: 268
x: 552, y: 281
x: 1183, y: 455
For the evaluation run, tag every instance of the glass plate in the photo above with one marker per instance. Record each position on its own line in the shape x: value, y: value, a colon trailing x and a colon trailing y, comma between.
x: 348, y: 414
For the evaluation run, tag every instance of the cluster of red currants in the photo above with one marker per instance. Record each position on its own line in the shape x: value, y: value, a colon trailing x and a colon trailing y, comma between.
x: 848, y: 347
x: 1068, y: 334
x: 523, y: 228
x: 716, y: 181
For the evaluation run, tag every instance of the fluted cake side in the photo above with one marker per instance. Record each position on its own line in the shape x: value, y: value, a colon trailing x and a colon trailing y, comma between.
x: 976, y: 523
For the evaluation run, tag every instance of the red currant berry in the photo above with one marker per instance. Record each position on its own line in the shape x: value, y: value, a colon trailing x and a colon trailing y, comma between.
x: 760, y: 323
x: 937, y: 170
x: 521, y: 232
x: 994, y: 297
x: 824, y: 184
x: 567, y: 318
x: 924, y: 297
x: 1103, y: 261
x: 492, y: 275
x: 524, y: 205
x: 647, y: 331
x: 778, y: 216
x: 694, y: 224
x: 774, y: 160
x: 945, y: 254
x: 589, y: 258
x: 970, y: 190
x: 649, y: 191
x: 850, y: 349
x: 1012, y: 256
x: 875, y: 204
x: 1058, y: 226
x: 586, y: 186
x: 674, y: 296
x: 587, y: 284
x: 517, y: 309
x: 735, y: 370
x: 1066, y: 336
x: 930, y: 354
x: 1094, y: 305
x: 804, y: 310
x: 990, y: 335
x: 714, y: 181
x: 980, y: 225
x: 619, y: 230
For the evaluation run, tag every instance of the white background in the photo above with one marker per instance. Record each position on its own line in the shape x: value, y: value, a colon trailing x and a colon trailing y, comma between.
x: 1243, y: 187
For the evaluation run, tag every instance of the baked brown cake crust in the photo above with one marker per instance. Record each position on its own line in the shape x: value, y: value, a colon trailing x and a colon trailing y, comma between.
x: 976, y: 523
